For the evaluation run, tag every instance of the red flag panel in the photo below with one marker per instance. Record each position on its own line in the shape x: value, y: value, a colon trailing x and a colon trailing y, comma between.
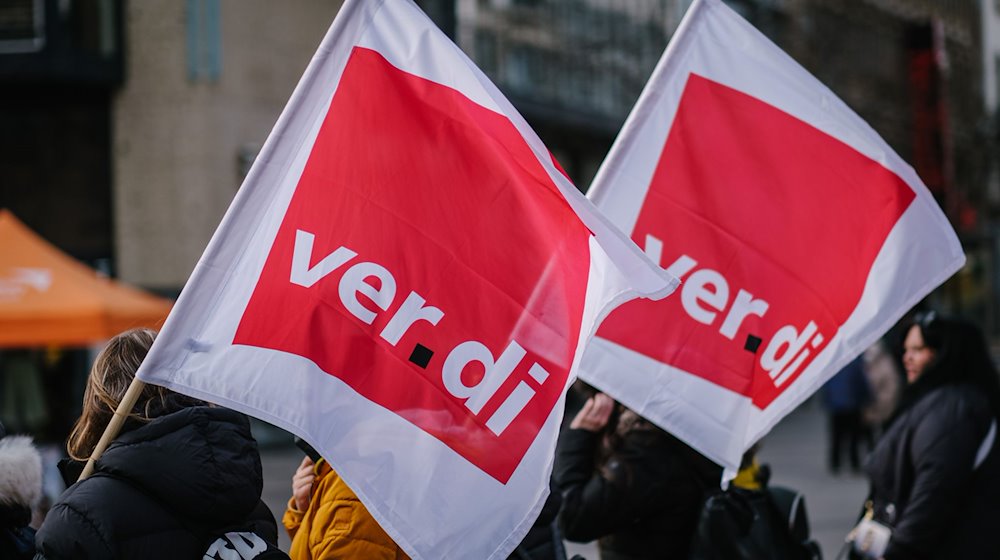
x: 773, y: 227
x: 424, y: 237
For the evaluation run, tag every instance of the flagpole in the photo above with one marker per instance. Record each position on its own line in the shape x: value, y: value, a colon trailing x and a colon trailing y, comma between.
x: 115, y: 425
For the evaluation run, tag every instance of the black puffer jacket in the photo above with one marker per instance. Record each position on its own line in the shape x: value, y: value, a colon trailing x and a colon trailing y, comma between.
x: 645, y: 501
x: 923, y: 482
x: 163, y: 490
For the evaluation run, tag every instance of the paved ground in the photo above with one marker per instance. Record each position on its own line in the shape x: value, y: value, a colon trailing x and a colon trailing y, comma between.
x: 795, y: 449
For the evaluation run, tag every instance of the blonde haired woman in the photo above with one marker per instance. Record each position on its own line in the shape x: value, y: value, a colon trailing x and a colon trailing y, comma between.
x: 179, y: 477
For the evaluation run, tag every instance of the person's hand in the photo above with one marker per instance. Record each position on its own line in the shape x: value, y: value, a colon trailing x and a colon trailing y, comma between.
x: 594, y: 414
x: 302, y: 482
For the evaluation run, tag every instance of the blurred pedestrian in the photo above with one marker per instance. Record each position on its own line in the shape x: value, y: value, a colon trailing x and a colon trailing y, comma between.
x: 935, y: 474
x: 20, y: 492
x: 629, y: 484
x: 182, y: 480
x: 885, y: 380
x: 845, y: 395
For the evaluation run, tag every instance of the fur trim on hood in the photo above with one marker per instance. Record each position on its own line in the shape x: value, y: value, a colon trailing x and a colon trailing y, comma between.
x: 20, y: 472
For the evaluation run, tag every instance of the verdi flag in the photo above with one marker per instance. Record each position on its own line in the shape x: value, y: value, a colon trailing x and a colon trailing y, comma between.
x: 799, y: 236
x: 406, y: 281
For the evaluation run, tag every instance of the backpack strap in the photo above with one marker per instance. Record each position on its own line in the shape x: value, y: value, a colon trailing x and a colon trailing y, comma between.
x: 790, y: 506
x: 986, y: 445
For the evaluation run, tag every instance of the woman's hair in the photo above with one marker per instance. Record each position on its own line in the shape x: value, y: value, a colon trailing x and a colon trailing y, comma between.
x: 961, y: 356
x: 110, y: 377
x: 623, y: 423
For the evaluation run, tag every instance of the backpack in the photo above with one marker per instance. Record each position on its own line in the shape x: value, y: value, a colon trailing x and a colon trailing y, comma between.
x: 740, y: 524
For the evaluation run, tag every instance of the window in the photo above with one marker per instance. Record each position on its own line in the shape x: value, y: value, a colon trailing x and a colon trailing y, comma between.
x: 204, y: 48
x: 22, y: 26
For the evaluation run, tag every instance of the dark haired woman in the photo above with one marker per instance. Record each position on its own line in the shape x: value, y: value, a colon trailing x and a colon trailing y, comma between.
x: 180, y: 476
x: 935, y: 474
x: 629, y: 484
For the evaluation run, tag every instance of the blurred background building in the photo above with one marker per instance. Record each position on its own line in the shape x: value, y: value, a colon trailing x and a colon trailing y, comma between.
x: 126, y: 127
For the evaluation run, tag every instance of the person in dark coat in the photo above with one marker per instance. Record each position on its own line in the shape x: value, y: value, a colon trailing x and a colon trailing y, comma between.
x: 935, y: 474
x: 845, y: 396
x: 629, y: 484
x: 183, y: 479
x: 20, y: 493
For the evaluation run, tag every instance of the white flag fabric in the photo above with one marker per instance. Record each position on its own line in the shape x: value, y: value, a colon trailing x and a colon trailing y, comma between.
x: 799, y: 236
x: 406, y: 281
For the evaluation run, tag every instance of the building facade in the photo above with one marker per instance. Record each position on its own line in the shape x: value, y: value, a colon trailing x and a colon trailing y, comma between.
x: 206, y: 81
x: 60, y: 64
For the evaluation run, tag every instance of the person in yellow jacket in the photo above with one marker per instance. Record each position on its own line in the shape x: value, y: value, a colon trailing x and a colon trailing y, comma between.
x: 325, y: 519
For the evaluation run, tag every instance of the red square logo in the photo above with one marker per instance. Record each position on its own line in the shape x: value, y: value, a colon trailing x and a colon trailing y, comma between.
x: 773, y: 227
x: 429, y: 262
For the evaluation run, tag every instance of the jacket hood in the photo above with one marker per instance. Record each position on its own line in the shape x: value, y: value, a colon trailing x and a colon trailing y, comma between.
x: 201, y: 462
x: 20, y: 472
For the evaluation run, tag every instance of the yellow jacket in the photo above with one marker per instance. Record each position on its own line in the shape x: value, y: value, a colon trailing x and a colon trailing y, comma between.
x: 748, y: 477
x: 336, y: 524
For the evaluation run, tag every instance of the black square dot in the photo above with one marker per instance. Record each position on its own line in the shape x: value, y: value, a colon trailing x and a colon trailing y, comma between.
x: 421, y: 355
x: 753, y: 343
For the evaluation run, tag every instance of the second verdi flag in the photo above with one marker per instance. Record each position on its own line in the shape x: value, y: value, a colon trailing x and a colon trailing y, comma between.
x: 799, y: 235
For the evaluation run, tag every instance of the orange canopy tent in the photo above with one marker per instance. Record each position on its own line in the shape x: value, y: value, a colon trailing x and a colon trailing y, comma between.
x: 48, y: 298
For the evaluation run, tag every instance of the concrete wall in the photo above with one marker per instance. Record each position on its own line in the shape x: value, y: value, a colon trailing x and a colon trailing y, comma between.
x: 177, y: 141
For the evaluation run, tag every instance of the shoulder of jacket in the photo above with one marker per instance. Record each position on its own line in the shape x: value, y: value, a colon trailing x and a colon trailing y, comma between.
x: 333, y: 488
x: 70, y: 520
x: 97, y: 492
x: 959, y: 397
x: 949, y: 405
